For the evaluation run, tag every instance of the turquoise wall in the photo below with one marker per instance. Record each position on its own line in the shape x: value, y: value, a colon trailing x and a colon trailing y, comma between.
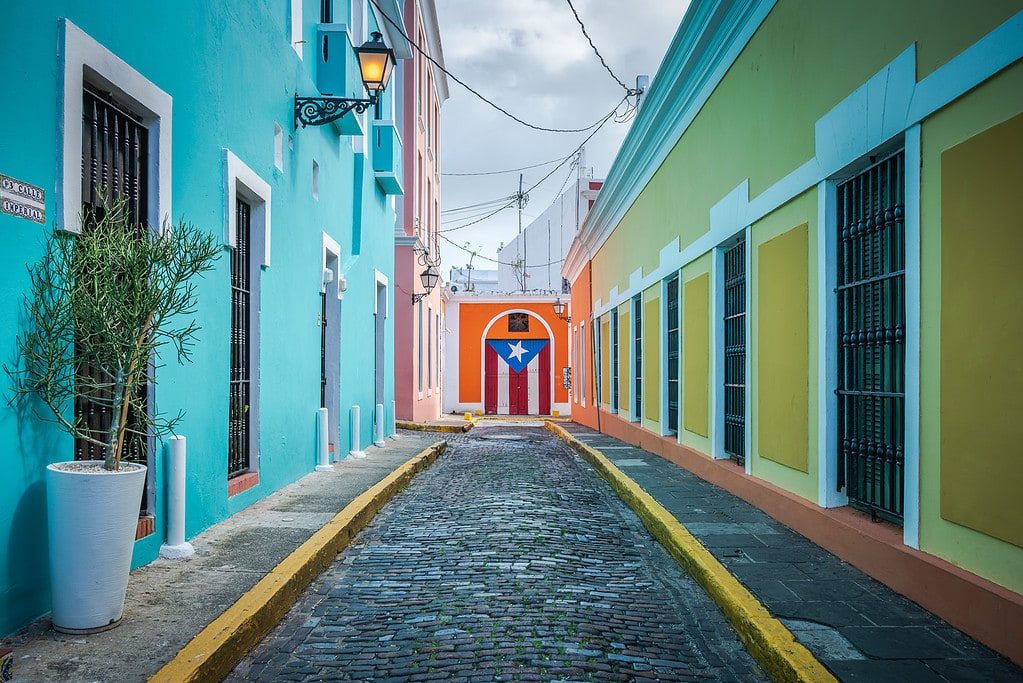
x: 232, y: 74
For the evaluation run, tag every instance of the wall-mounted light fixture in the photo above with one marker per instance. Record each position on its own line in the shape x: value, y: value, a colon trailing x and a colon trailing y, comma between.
x: 428, y: 277
x: 560, y: 310
x: 376, y: 61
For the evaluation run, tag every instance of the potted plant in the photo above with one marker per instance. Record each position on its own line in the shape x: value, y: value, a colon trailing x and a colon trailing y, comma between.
x: 102, y: 306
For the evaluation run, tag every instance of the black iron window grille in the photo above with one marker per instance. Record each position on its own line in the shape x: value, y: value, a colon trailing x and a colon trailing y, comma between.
x: 735, y: 352
x: 637, y: 354
x: 614, y: 360
x: 115, y: 151
x: 672, y: 366
x: 238, y: 447
x: 871, y: 338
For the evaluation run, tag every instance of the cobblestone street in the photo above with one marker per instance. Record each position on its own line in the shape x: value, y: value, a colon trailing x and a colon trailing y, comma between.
x: 508, y: 559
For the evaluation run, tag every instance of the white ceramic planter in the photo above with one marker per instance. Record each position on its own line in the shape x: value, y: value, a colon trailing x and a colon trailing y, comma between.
x: 92, y: 517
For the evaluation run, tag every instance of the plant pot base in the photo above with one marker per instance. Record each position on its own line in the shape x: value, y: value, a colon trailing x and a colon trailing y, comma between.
x: 85, y: 631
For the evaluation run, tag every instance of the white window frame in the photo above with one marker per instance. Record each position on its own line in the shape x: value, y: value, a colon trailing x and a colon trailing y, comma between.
x: 87, y: 61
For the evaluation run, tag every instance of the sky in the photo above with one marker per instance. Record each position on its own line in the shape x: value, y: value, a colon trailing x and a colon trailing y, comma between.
x: 531, y: 58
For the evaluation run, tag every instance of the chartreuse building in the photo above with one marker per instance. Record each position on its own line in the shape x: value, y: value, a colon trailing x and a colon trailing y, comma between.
x: 188, y: 108
x: 801, y: 279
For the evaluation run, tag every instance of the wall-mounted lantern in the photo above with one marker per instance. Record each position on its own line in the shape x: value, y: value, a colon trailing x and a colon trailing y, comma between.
x: 376, y: 62
x: 560, y: 310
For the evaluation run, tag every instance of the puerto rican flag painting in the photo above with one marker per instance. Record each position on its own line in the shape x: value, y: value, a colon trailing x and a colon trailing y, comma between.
x: 517, y: 377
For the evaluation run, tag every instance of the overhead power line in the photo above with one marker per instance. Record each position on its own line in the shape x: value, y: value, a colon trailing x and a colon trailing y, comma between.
x: 629, y: 91
x: 510, y: 170
x: 514, y: 199
x: 401, y: 29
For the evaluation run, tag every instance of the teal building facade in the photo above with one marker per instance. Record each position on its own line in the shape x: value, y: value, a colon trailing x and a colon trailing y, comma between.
x: 189, y: 107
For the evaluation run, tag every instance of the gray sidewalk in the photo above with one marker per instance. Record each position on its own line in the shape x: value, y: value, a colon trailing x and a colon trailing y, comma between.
x: 170, y: 601
x: 857, y: 627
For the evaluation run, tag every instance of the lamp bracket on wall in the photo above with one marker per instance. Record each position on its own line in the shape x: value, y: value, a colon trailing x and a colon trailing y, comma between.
x: 317, y: 111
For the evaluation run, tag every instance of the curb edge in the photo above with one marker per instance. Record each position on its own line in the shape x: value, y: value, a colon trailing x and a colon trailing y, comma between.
x: 215, y: 650
x: 768, y: 640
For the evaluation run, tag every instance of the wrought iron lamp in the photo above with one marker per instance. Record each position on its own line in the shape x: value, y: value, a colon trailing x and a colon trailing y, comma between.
x: 376, y: 61
x: 560, y: 310
x: 429, y: 278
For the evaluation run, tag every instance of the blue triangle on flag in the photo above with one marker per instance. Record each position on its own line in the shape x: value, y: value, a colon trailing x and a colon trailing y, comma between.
x: 517, y: 353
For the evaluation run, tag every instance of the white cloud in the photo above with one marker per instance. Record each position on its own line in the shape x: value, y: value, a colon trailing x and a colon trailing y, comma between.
x: 531, y: 58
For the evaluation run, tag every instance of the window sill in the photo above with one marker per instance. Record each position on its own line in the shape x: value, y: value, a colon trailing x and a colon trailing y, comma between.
x: 241, y: 483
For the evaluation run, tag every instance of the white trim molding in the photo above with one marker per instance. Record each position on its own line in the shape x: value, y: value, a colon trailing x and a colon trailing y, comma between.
x: 86, y: 61
x: 242, y: 182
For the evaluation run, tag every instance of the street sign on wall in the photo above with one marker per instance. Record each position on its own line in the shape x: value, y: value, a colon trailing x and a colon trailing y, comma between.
x: 22, y: 199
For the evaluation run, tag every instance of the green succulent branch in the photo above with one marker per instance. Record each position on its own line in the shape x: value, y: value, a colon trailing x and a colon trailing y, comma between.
x: 101, y: 307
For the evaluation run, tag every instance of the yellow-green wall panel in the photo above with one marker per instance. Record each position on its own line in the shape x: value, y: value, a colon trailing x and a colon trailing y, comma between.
x: 816, y: 55
x: 652, y: 358
x: 981, y: 329
x: 991, y: 104
x: 696, y: 355
x: 783, y: 349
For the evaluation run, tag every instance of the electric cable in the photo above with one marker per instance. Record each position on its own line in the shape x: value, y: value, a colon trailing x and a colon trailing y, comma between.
x: 510, y: 170
x: 630, y: 91
x: 401, y: 29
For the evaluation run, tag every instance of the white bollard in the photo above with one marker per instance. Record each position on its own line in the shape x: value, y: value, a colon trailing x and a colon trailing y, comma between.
x: 392, y: 424
x: 356, y: 451
x: 322, y: 442
x: 379, y: 442
x: 176, y: 547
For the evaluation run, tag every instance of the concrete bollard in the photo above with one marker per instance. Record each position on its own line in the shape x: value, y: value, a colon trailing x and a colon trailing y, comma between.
x: 176, y: 547
x: 392, y: 424
x: 356, y: 451
x: 322, y: 442
x: 379, y: 432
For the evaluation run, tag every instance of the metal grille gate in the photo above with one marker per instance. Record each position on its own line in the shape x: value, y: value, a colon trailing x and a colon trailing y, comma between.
x: 871, y: 338
x: 673, y: 354
x: 637, y: 346
x: 114, y: 168
x: 614, y: 360
x: 238, y: 419
x: 735, y: 352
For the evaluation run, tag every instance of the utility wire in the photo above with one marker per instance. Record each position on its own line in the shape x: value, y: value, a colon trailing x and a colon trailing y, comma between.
x: 401, y: 29
x: 514, y: 199
x: 630, y: 91
x: 487, y: 204
x: 510, y: 170
x: 494, y: 260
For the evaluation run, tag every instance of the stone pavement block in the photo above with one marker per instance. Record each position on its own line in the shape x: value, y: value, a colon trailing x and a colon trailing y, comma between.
x: 885, y: 671
x: 834, y: 614
x: 902, y: 642
x: 823, y: 589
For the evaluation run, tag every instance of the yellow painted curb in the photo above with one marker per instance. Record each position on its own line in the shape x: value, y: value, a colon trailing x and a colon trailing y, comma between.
x: 767, y: 639
x: 211, y: 654
x: 426, y: 427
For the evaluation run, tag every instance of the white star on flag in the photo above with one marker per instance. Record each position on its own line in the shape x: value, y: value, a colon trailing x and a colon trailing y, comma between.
x: 516, y: 350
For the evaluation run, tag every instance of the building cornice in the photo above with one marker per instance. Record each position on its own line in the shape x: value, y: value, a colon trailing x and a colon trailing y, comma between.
x: 712, y: 35
x: 396, y: 40
x: 434, y: 48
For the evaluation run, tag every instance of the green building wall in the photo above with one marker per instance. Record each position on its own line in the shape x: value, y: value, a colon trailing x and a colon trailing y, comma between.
x: 758, y: 145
